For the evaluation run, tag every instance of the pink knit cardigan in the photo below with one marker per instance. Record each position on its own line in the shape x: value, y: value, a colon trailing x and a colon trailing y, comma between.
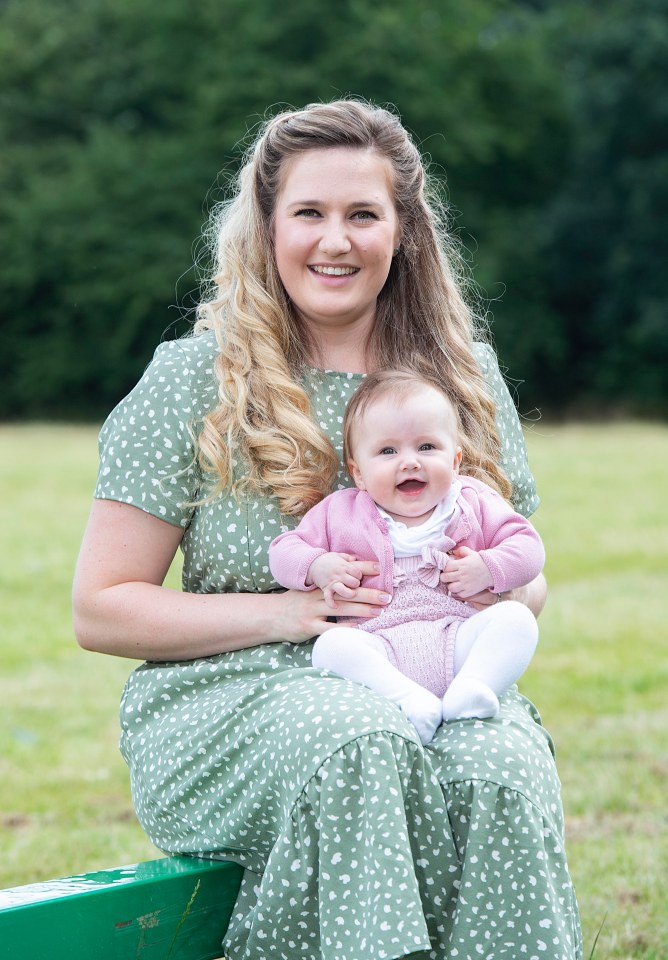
x: 348, y: 521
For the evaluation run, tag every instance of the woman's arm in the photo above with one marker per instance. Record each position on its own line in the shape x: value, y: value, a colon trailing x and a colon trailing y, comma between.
x: 533, y: 594
x: 120, y: 606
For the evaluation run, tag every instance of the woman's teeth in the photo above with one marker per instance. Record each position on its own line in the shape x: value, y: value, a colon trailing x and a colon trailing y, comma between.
x: 335, y: 271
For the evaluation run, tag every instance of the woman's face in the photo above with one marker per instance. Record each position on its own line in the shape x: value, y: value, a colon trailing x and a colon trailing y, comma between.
x: 335, y: 228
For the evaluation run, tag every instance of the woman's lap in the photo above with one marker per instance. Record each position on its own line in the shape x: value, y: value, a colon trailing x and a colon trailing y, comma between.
x: 220, y: 750
x: 323, y: 792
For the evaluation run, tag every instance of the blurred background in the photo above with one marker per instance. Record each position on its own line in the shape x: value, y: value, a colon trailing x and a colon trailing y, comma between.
x: 121, y: 122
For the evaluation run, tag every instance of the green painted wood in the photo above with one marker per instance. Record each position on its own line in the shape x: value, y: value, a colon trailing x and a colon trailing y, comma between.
x: 176, y: 908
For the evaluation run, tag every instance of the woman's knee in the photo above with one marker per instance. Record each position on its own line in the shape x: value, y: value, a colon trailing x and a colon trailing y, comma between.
x: 337, y: 709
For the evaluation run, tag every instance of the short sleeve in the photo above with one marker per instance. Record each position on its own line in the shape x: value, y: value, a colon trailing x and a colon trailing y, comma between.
x: 514, y: 460
x: 146, y: 444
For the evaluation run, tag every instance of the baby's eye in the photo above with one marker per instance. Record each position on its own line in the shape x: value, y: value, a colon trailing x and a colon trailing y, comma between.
x: 387, y: 451
x: 427, y: 446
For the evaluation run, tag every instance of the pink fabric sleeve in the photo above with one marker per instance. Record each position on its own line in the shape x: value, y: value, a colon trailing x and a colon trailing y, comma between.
x: 513, y: 551
x: 292, y: 553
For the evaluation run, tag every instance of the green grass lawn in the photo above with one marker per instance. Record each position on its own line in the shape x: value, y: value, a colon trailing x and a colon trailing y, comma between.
x: 599, y: 678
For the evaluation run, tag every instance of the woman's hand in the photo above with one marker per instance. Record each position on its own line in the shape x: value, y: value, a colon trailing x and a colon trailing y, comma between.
x: 306, y: 614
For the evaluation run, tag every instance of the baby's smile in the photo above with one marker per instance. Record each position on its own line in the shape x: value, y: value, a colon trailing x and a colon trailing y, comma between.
x: 411, y: 486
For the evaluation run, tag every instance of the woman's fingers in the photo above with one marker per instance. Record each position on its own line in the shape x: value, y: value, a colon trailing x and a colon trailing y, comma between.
x: 363, y: 602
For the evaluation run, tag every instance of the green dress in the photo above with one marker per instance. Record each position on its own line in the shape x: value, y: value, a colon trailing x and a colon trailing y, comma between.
x: 357, y: 842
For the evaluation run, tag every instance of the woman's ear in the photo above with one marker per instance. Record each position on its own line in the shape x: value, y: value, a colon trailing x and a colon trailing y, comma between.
x: 353, y: 469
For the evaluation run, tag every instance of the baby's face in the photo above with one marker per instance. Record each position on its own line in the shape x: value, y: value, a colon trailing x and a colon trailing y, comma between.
x: 405, y: 453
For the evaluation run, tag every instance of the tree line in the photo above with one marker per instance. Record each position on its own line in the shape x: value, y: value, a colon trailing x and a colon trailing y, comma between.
x: 121, y: 122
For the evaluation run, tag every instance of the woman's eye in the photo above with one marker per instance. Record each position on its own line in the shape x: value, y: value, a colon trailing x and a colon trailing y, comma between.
x: 307, y: 212
x: 364, y: 215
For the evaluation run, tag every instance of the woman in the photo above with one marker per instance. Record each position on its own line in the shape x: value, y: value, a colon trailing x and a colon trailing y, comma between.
x: 357, y: 842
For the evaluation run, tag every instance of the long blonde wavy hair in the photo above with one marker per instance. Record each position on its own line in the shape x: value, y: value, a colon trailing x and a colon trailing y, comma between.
x: 261, y: 438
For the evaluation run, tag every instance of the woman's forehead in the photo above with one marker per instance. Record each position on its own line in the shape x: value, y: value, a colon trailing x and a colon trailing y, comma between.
x: 360, y: 173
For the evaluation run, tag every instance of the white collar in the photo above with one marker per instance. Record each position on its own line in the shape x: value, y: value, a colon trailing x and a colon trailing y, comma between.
x: 408, y: 541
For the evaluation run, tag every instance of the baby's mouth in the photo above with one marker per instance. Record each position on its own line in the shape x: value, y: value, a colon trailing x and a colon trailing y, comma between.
x: 411, y: 486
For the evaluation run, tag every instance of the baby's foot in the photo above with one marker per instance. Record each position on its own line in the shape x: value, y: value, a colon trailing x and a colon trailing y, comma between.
x: 468, y: 697
x: 423, y: 709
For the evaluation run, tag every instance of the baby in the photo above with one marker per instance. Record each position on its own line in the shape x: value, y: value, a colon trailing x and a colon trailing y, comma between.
x: 438, y: 538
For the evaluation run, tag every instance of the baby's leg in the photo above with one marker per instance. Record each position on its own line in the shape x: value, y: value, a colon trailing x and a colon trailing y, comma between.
x: 492, y: 650
x: 362, y: 657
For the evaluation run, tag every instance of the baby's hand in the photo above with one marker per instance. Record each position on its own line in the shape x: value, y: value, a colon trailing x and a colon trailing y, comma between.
x: 466, y: 574
x: 337, y: 575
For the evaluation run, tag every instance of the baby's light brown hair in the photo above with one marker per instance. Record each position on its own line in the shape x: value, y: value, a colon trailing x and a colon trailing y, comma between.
x: 379, y: 384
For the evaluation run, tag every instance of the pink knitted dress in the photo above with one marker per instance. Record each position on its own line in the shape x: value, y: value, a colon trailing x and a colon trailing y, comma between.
x: 419, y: 626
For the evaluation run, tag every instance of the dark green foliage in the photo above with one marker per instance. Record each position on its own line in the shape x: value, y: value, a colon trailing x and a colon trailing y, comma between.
x: 118, y: 116
x: 607, y: 247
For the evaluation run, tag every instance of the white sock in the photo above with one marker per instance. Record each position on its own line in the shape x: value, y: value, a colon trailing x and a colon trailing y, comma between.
x: 422, y: 708
x: 469, y: 697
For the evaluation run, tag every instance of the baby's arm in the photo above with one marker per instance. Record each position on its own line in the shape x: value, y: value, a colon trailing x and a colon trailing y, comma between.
x: 508, y: 544
x: 511, y: 555
x: 337, y: 575
x: 292, y: 553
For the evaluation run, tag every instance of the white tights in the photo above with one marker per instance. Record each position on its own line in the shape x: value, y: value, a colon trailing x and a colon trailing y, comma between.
x: 492, y: 650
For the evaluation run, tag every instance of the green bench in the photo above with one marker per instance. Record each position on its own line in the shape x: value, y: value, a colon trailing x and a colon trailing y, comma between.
x: 176, y: 908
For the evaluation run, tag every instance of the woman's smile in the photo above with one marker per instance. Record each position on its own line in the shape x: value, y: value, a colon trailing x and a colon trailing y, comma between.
x: 333, y: 271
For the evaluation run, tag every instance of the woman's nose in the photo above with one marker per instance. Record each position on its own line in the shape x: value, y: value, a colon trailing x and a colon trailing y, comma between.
x: 334, y: 240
